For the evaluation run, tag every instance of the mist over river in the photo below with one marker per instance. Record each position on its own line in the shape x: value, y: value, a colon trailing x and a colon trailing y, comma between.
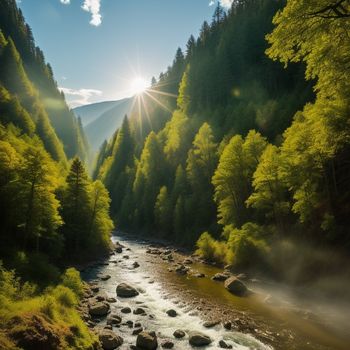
x: 271, y: 318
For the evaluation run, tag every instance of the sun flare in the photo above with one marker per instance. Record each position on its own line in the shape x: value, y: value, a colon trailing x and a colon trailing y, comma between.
x: 138, y: 85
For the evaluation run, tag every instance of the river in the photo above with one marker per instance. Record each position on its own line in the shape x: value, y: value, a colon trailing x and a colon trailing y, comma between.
x: 261, y: 321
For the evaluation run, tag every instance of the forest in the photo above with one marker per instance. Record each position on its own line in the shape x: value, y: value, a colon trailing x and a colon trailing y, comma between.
x: 253, y: 150
x: 52, y: 213
x: 242, y: 158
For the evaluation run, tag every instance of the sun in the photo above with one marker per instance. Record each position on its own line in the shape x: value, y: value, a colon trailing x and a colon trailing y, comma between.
x: 138, y: 86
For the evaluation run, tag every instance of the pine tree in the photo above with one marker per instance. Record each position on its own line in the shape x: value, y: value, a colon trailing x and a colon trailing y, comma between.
x: 38, y: 182
x: 163, y: 212
x: 76, y: 206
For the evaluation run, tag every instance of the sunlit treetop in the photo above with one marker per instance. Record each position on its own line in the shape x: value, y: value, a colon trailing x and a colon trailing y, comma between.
x: 316, y: 32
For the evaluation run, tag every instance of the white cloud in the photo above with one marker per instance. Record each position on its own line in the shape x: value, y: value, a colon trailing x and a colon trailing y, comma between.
x: 79, y: 97
x: 225, y: 3
x: 93, y: 6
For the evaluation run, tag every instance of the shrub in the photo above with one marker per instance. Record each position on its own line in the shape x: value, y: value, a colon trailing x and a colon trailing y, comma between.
x: 211, y: 249
x: 71, y: 279
x: 246, y: 247
x: 65, y: 296
x: 205, y: 245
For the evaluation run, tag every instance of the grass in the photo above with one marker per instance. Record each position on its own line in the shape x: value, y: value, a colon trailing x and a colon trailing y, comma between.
x: 29, y: 317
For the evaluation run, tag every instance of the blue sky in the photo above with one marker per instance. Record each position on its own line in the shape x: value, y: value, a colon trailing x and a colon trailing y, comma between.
x: 97, y: 47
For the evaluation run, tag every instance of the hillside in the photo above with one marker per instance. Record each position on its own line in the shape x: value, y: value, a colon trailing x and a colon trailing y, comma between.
x: 51, y: 213
x: 54, y: 112
x: 249, y: 151
x: 100, y: 120
x: 89, y: 113
x: 223, y: 85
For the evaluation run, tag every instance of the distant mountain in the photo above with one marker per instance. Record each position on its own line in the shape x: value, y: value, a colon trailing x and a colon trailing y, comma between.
x: 100, y: 120
x: 91, y: 112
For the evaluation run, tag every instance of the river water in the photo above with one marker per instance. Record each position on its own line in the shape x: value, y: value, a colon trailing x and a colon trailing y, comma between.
x: 161, y: 290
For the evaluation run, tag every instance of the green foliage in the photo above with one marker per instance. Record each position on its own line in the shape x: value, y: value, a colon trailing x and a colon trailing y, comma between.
x: 209, y: 102
x: 233, y: 177
x: 314, y: 32
x: 211, y: 249
x: 53, y: 312
x: 71, y: 279
x: 242, y: 248
x: 163, y: 211
x: 270, y: 192
x: 148, y: 179
x: 85, y: 211
x: 37, y: 90
x: 246, y: 246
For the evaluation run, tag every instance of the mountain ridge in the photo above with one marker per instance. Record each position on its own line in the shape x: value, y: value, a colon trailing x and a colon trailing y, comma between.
x: 101, y: 119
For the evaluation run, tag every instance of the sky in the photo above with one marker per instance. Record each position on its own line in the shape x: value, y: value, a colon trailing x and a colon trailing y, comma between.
x: 97, y: 48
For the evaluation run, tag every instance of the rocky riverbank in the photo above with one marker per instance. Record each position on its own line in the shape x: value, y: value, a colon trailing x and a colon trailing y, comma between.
x: 116, y: 309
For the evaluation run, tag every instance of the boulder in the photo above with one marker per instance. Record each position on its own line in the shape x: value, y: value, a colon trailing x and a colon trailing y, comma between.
x: 236, y: 286
x: 118, y: 248
x: 101, y: 296
x: 137, y: 331
x: 171, y: 313
x: 105, y: 277
x: 147, y: 340
x: 126, y: 291
x: 136, y: 264
x: 199, y: 339
x: 125, y: 310
x: 167, y: 344
x: 224, y: 345
x: 99, y: 309
x: 114, y: 320
x: 109, y: 339
x: 188, y: 261
x: 228, y: 325
x: 181, y: 269
x: 210, y: 324
x: 179, y: 334
x: 139, y: 311
x: 220, y: 276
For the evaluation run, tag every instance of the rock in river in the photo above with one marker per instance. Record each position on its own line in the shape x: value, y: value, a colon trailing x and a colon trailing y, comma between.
x: 220, y: 276
x: 224, y: 345
x: 236, y: 286
x: 105, y: 277
x: 139, y: 311
x: 147, y: 340
x: 109, y: 339
x: 172, y: 313
x: 125, y: 310
x: 167, y: 344
x: 210, y: 324
x: 99, y: 309
x: 199, y: 339
x: 179, y: 334
x: 126, y: 291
